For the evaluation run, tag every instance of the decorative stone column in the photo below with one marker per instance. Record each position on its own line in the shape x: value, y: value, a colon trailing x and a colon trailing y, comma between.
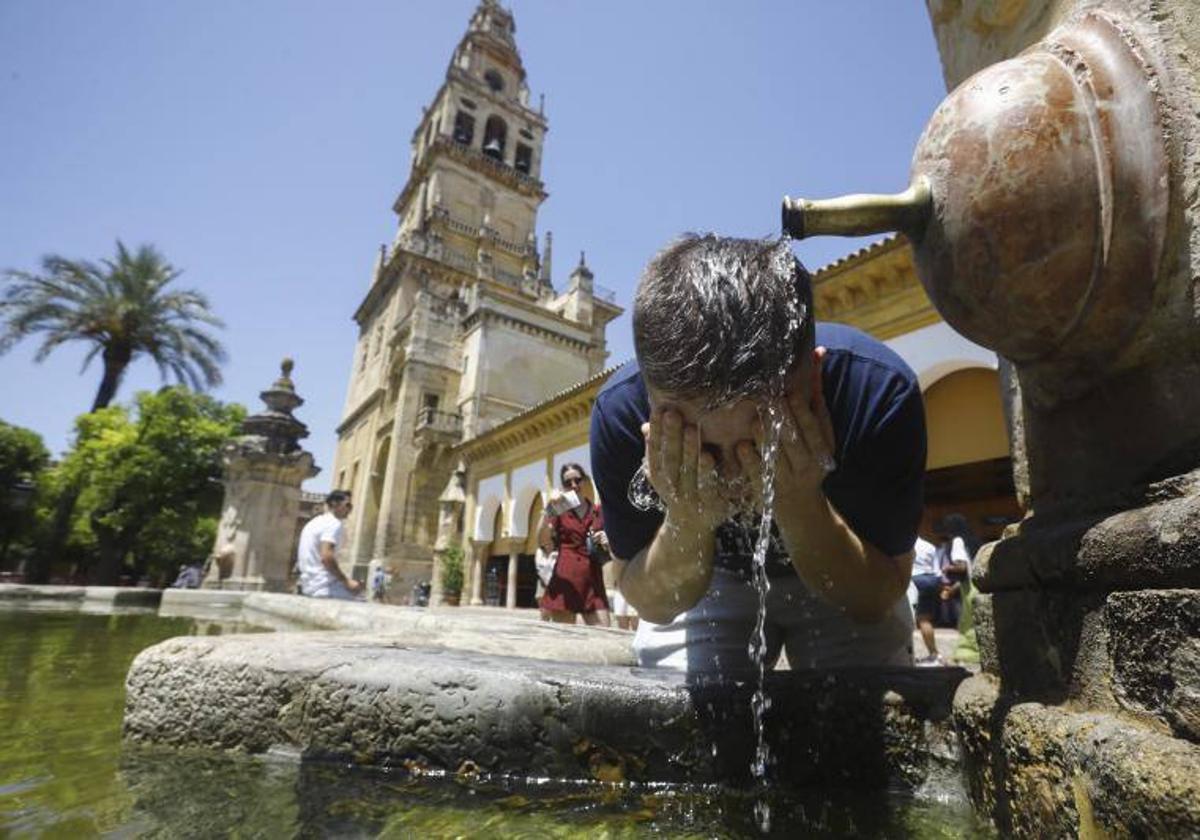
x: 264, y: 468
x: 510, y: 594
x: 478, y: 570
x: 450, y: 507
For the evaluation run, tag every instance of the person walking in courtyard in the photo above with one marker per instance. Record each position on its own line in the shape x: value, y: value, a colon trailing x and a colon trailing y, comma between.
x: 724, y: 333
x: 929, y: 584
x: 316, y: 556
x: 956, y: 553
x: 574, y: 526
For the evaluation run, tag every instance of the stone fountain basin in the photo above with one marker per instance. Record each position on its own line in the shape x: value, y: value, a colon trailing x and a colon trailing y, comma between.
x: 380, y: 700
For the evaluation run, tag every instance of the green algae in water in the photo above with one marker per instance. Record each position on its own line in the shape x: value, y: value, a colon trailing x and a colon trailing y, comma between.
x: 62, y: 695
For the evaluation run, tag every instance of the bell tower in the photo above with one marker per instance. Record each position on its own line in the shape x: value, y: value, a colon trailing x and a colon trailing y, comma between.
x: 475, y: 186
x: 461, y: 327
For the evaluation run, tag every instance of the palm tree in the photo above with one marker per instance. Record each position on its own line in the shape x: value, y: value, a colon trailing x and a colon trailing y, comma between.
x: 123, y: 309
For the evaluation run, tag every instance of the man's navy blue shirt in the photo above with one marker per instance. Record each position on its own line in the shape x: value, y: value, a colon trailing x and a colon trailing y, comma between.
x: 879, y: 424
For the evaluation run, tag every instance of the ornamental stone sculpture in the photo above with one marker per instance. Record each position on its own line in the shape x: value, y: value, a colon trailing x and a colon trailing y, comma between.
x: 264, y: 468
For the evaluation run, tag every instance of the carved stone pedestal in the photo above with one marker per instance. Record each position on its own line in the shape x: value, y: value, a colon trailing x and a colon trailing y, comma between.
x: 1087, y: 715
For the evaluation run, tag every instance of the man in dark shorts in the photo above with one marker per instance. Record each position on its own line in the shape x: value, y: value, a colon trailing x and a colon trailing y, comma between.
x: 723, y: 330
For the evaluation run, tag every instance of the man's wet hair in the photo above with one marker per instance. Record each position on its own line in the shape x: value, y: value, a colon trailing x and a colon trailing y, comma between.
x: 721, y: 319
x: 337, y: 497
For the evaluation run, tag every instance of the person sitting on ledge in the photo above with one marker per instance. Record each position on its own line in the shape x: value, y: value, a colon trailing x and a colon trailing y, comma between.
x: 316, y: 556
x: 725, y: 337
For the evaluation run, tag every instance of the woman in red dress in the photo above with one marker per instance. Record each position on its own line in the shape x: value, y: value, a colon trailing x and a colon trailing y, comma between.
x: 577, y: 585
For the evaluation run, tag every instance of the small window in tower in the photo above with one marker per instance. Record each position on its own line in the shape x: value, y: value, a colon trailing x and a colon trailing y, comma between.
x: 494, y: 80
x: 469, y: 104
x: 495, y: 135
x: 429, y: 408
x: 464, y: 128
x: 526, y: 133
x: 524, y: 159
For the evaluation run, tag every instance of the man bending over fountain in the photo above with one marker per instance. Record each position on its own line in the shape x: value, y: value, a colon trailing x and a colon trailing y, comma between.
x: 729, y: 360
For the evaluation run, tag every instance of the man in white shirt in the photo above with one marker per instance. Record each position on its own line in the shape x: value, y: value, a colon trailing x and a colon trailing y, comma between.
x: 316, y: 557
x: 925, y: 591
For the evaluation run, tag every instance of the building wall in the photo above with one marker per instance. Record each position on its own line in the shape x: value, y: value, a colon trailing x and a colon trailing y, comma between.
x: 965, y: 419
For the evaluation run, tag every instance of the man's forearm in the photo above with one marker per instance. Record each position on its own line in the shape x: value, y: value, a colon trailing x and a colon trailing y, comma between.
x: 329, y: 561
x: 835, y: 563
x: 671, y: 574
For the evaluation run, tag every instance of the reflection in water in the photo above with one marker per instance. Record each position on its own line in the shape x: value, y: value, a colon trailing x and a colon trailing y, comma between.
x: 201, y: 795
x: 62, y: 693
x: 65, y: 772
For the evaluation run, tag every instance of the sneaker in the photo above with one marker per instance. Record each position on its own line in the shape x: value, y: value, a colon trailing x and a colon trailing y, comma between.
x: 932, y: 661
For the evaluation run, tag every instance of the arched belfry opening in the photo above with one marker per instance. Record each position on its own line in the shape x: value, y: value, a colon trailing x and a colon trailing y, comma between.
x: 464, y: 128
x: 495, y: 137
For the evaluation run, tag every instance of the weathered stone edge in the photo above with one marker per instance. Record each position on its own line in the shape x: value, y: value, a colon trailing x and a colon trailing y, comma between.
x: 378, y: 702
x: 1048, y: 771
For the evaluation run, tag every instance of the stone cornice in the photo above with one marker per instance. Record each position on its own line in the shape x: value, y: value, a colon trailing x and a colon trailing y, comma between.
x: 380, y: 288
x: 562, y: 409
x: 359, y: 410
x: 518, y: 182
x: 486, y: 315
x: 511, y: 297
x: 875, y: 289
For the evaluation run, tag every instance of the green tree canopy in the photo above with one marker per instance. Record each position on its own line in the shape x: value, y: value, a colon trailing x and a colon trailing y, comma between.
x: 149, y: 480
x: 23, y: 456
x: 123, y: 308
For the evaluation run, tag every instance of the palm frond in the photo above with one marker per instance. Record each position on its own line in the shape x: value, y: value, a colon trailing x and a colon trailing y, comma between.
x: 122, y: 303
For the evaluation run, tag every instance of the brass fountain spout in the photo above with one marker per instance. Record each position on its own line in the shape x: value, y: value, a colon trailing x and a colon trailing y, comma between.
x: 1037, y: 204
x: 860, y: 214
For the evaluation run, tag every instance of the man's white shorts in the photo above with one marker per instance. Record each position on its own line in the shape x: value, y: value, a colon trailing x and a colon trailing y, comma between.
x: 714, y: 636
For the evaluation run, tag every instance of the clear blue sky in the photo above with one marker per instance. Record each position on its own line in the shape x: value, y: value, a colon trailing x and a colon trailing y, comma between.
x: 260, y: 145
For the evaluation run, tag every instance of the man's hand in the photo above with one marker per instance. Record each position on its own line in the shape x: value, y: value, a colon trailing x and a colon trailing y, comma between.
x: 829, y: 557
x: 673, y: 572
x: 682, y: 474
x: 806, y: 445
x: 353, y: 585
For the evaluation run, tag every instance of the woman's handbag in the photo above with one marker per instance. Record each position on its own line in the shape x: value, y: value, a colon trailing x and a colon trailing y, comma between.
x: 595, y: 550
